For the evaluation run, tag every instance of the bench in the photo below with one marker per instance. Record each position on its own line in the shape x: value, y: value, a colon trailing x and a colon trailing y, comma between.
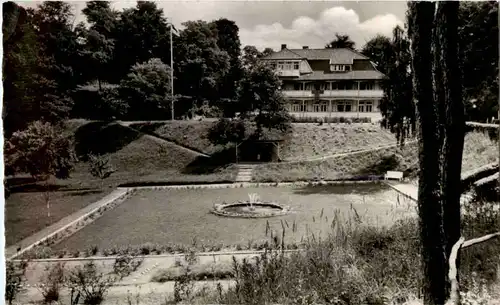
x: 393, y: 175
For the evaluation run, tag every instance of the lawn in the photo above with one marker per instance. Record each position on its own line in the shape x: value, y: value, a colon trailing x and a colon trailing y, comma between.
x: 135, y: 157
x: 26, y: 213
x: 183, y: 217
x: 479, y: 150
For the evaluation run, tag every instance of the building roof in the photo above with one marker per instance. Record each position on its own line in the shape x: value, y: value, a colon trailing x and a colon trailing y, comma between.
x: 351, y: 75
x: 336, y: 56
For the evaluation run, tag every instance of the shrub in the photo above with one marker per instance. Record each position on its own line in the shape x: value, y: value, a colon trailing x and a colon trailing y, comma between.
x: 14, y: 277
x: 226, y: 131
x: 126, y: 264
x: 52, y: 281
x: 89, y: 284
x: 100, y: 167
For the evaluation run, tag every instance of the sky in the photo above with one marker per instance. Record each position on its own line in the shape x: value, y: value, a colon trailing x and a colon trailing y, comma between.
x: 294, y: 23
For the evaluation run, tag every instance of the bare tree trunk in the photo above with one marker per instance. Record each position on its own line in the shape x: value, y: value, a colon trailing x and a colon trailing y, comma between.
x: 420, y: 21
x: 47, y: 196
x: 453, y: 120
x: 441, y: 118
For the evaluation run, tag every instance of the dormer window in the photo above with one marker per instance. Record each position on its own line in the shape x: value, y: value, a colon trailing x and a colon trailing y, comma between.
x: 288, y: 65
x: 340, y: 68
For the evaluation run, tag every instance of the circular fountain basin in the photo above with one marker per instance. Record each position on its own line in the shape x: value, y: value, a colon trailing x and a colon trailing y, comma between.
x: 244, y: 209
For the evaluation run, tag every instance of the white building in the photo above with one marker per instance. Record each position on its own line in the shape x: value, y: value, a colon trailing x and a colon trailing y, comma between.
x: 328, y: 82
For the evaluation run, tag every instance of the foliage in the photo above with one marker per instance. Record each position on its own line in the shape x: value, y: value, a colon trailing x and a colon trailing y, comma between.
x: 19, y: 62
x: 98, y: 104
x: 97, y: 41
x: 57, y: 56
x: 379, y: 49
x: 259, y: 92
x: 124, y: 265
x: 89, y: 284
x: 140, y: 33
x: 478, y: 31
x: 42, y: 151
x: 226, y: 131
x: 341, y: 41
x: 202, y: 66
x: 100, y: 166
x: 52, y: 282
x: 397, y: 106
x: 146, y: 90
x: 14, y: 277
x: 251, y: 55
x: 229, y: 41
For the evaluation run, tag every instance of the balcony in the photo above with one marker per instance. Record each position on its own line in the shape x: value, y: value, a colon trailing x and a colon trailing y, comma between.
x: 335, y: 93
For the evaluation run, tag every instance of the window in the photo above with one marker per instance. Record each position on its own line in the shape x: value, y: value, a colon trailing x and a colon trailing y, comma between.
x: 298, y: 106
x: 344, y: 106
x: 340, y: 68
x: 281, y: 65
x: 365, y: 106
x: 273, y: 65
x: 335, y: 86
x: 324, y: 106
x: 288, y: 65
x: 297, y: 86
x: 309, y: 86
x: 296, y: 65
x: 321, y: 107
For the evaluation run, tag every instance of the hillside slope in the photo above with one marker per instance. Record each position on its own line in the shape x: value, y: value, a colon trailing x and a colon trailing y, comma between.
x: 479, y: 150
x: 306, y: 141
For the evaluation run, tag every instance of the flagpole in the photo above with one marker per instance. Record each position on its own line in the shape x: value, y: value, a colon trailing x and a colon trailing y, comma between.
x: 172, y: 72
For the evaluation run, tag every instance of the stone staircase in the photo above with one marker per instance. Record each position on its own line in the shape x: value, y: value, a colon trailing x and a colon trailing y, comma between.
x: 244, y: 172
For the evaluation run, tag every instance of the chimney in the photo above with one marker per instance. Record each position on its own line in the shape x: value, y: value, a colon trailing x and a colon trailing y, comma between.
x: 305, y: 47
x: 283, y: 46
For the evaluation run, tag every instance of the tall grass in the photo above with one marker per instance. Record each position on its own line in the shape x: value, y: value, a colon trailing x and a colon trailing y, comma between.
x: 358, y: 264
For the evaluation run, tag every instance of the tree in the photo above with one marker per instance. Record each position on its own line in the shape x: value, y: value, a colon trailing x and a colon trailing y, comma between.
x: 89, y: 284
x: 397, y: 107
x: 146, y: 90
x: 201, y: 64
x: 100, y: 167
x: 267, y: 51
x: 478, y: 30
x: 341, y: 41
x: 141, y: 33
x: 251, y: 55
x: 260, y: 92
x: 98, y: 44
x: 20, y: 59
x: 229, y: 41
x: 379, y: 49
x: 42, y: 151
x: 440, y: 114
